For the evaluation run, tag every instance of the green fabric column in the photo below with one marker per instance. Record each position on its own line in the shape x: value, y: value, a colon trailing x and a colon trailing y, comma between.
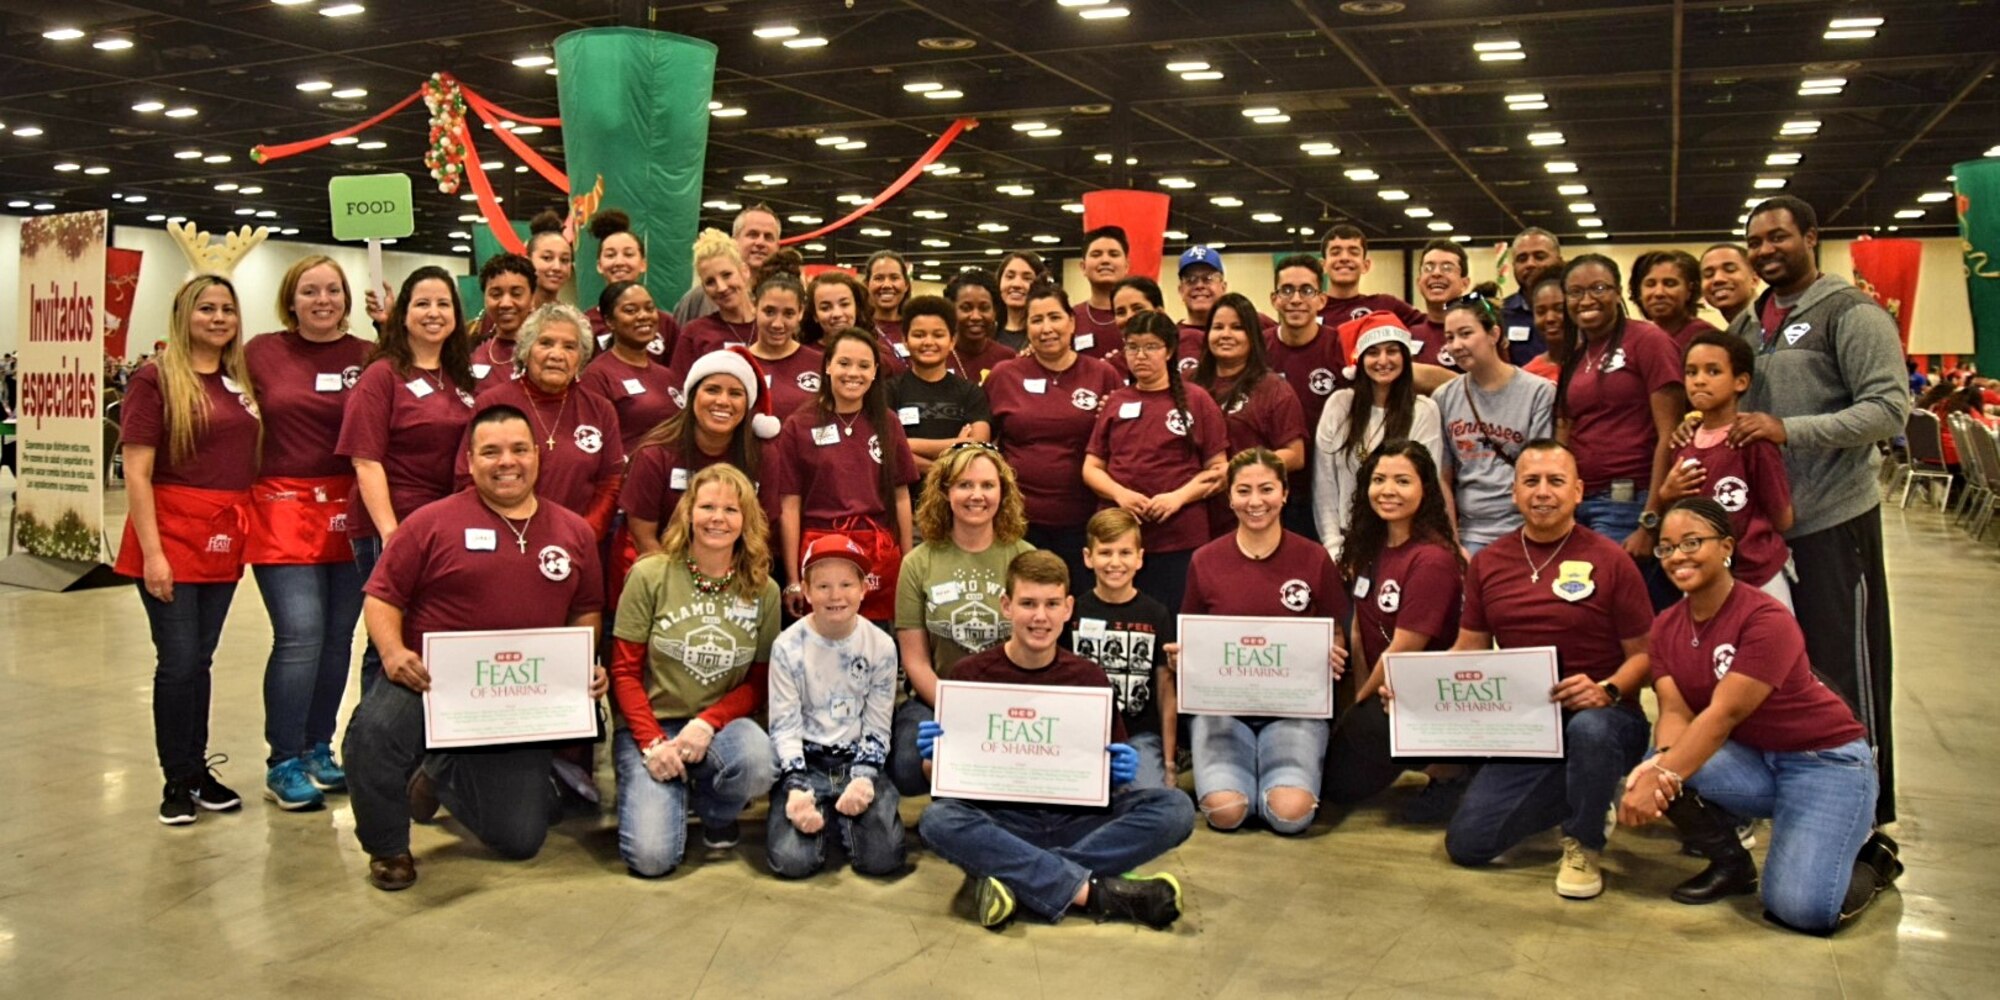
x: 1979, y: 235
x: 635, y: 112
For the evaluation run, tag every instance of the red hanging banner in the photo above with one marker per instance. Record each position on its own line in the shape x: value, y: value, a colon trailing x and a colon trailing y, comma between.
x: 1887, y: 270
x: 1143, y: 216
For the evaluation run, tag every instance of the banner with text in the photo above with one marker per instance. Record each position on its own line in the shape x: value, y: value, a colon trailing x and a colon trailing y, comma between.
x: 59, y: 509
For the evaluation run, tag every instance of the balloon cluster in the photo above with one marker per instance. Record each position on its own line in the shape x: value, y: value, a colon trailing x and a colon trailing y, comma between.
x: 446, y: 154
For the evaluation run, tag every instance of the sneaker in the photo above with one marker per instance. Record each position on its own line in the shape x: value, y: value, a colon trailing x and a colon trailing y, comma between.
x: 177, y: 804
x: 1437, y: 802
x: 1579, y: 877
x: 996, y: 904
x: 287, y: 786
x: 322, y: 771
x: 1153, y: 900
x: 721, y: 836
x: 210, y: 793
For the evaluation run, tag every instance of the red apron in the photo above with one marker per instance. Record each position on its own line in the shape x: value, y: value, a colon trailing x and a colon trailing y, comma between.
x: 299, y: 520
x: 880, y: 544
x: 202, y: 533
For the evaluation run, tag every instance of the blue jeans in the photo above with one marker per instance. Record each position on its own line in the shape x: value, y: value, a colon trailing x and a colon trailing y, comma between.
x: 1152, y: 765
x: 1509, y: 801
x: 1251, y: 757
x: 367, y: 552
x: 653, y: 814
x: 906, y: 765
x: 1045, y: 854
x: 1821, y: 804
x: 185, y: 633
x: 874, y: 839
x: 1611, y: 518
x: 313, y: 609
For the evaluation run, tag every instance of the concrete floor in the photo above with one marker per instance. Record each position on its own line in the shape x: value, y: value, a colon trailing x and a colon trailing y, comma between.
x: 97, y: 899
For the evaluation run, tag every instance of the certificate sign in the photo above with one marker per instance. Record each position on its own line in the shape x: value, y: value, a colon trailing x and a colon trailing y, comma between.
x: 510, y: 686
x: 1483, y: 703
x: 1255, y: 666
x: 1023, y: 743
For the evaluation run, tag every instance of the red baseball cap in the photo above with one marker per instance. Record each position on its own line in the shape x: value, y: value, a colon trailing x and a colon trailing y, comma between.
x: 835, y: 546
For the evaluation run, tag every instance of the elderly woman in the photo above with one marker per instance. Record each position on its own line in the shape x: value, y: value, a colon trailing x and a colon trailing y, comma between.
x: 583, y: 461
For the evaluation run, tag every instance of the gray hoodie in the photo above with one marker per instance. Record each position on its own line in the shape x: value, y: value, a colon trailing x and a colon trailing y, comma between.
x: 1834, y: 374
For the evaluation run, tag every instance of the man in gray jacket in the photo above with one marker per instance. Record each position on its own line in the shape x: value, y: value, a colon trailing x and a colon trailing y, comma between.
x: 1830, y: 385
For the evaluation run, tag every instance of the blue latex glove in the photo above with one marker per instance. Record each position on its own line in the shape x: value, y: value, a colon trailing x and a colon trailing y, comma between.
x: 1124, y: 764
x: 927, y: 737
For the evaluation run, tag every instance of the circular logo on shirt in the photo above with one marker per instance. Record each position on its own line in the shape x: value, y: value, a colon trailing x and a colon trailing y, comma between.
x: 1445, y: 359
x: 1320, y: 382
x: 875, y: 448
x: 1725, y: 657
x: 1732, y: 493
x: 1237, y: 407
x: 554, y: 562
x: 349, y: 376
x: 1295, y: 595
x: 808, y: 381
x: 244, y: 398
x: 1083, y: 399
x: 1188, y: 364
x: 465, y: 397
x: 679, y: 397
x: 1358, y: 311
x: 1390, y: 597
x: 656, y: 347
x: 1178, y: 422
x: 588, y: 439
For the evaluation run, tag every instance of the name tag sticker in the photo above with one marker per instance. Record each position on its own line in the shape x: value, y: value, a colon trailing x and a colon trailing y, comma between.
x: 827, y: 435
x: 946, y: 592
x: 480, y: 371
x: 1035, y: 385
x: 1127, y: 411
x: 902, y: 351
x: 1518, y: 334
x: 328, y: 382
x: 1090, y: 628
x: 230, y: 384
x: 634, y: 387
x: 419, y: 388
x: 1361, y: 586
x: 678, y: 479
x: 481, y: 539
x: 908, y: 415
x: 1084, y: 341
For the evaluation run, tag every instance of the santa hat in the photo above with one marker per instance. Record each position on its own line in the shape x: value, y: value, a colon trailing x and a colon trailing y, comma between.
x: 737, y: 363
x: 1378, y: 327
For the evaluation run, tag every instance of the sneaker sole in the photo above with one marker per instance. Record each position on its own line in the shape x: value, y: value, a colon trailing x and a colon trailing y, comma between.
x: 327, y: 786
x: 1161, y: 877
x: 216, y: 807
x: 177, y: 820
x: 989, y: 919
x: 1581, y: 891
x: 289, y: 805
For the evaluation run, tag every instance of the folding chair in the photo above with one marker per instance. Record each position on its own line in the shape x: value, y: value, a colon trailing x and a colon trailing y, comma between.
x: 1989, y: 469
x: 1962, y: 428
x: 1926, y: 456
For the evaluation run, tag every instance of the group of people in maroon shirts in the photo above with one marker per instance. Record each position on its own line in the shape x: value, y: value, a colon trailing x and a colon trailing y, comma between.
x: 1539, y: 469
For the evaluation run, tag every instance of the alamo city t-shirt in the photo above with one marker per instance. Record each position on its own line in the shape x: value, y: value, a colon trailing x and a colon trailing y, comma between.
x: 1128, y: 640
x: 954, y: 596
x: 698, y: 646
x: 1754, y: 635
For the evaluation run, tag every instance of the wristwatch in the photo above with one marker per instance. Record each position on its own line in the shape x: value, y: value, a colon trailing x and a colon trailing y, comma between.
x: 1611, y: 690
x: 1650, y: 521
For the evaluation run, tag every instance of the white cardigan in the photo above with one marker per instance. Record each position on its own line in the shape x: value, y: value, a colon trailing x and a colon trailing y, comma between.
x: 1334, y: 468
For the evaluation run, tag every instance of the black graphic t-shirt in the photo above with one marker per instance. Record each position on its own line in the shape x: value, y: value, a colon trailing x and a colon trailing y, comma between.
x: 1129, y: 641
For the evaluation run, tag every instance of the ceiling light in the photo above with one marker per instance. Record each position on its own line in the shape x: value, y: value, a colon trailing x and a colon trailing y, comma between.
x: 1529, y: 106
x: 1993, y: 151
x: 377, y: 144
x: 1910, y: 213
x: 854, y: 199
x: 775, y: 181
x: 875, y: 231
x: 1834, y: 82
x: 1082, y: 3
x: 1217, y: 245
x: 923, y: 213
x: 1769, y: 183
x: 289, y: 231
x: 728, y: 113
x: 1267, y: 217
x: 1258, y: 112
x: 536, y: 61
x: 1029, y: 126
x: 1848, y: 34
x: 1599, y: 234
x: 1590, y: 222
x: 28, y: 131
x: 1418, y: 212
x: 1783, y: 159
x: 992, y: 227
x: 830, y: 140
x: 135, y: 199
x: 1524, y: 98
x: 721, y: 205
x: 58, y: 35
x: 345, y: 140
x: 1559, y: 167
x: 1176, y: 183
x: 944, y: 95
x: 157, y: 217
x: 1393, y: 194
x: 216, y: 158
x: 1438, y: 227
x: 68, y: 167
x: 776, y: 31
x: 349, y: 93
x: 1933, y: 197
x: 459, y: 234
x: 1226, y: 201
x: 1506, y: 46
x: 1192, y: 66
x: 1201, y: 75
x: 246, y: 211
x: 147, y: 107
x: 814, y: 248
x: 472, y: 217
x: 1044, y: 238
x: 1045, y: 133
x: 226, y: 186
x: 1076, y: 207
x: 269, y: 213
x: 848, y: 147
x: 43, y: 206
x: 1803, y: 126
x: 1843, y: 23
x: 1102, y: 13
x: 805, y: 220
x: 1362, y: 174
x: 315, y: 86
x: 1752, y: 202
x: 935, y: 242
x: 813, y: 42
x: 341, y: 10
x: 1502, y: 56
x: 1582, y: 207
x: 181, y: 112
x: 97, y: 171
x: 922, y: 87
x: 112, y: 43
x: 1572, y: 190
x: 1174, y: 234
x: 1271, y: 119
x: 1545, y: 138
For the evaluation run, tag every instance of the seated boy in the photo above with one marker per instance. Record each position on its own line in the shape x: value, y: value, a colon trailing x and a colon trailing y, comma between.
x: 1127, y: 632
x: 833, y: 687
x: 1055, y: 858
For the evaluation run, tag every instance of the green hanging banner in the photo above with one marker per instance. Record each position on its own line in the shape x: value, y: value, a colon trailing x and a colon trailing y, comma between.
x: 635, y: 121
x: 1978, y: 190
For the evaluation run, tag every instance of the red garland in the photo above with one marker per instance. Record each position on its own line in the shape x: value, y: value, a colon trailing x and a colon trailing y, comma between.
x: 930, y: 156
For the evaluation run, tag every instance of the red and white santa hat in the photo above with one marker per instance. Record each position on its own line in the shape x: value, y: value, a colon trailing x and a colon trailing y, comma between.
x: 737, y: 363
x: 1378, y: 327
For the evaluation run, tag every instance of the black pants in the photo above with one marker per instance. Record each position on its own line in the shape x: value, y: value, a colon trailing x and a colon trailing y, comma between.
x: 1358, y: 765
x: 1067, y: 541
x: 1842, y: 598
x: 185, y: 631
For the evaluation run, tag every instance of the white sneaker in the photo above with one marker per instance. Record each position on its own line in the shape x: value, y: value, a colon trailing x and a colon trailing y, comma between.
x: 1579, y: 877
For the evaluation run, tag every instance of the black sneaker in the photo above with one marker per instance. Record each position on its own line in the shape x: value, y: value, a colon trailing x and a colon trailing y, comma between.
x: 1153, y: 900
x: 177, y: 804
x: 721, y: 837
x: 210, y: 793
x: 1437, y: 802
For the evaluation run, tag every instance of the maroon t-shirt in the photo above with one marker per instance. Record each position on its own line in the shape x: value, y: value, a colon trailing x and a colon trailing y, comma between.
x: 1754, y: 635
x: 978, y: 367
x: 895, y: 355
x: 1313, y: 370
x: 1145, y: 444
x: 658, y: 475
x: 493, y: 364
x: 992, y: 666
x: 1298, y: 578
x: 643, y: 397
x: 1610, y: 405
x: 410, y: 426
x: 225, y: 452
x: 1589, y: 600
x: 709, y: 333
x: 1416, y: 586
x: 1097, y: 334
x: 1682, y: 337
x: 1749, y: 482
x: 1268, y: 417
x: 1194, y: 342
x: 302, y: 388
x: 587, y: 450
x: 1042, y: 420
x: 661, y: 346
x: 1338, y: 311
x: 829, y: 464
x: 456, y: 566
x: 1428, y: 340
x: 792, y: 381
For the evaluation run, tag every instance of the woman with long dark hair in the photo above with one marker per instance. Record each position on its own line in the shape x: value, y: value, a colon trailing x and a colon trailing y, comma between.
x: 1016, y: 273
x: 975, y: 299
x: 888, y: 278
x: 722, y: 422
x: 554, y: 259
x: 1261, y: 410
x: 1382, y: 405
x: 791, y: 369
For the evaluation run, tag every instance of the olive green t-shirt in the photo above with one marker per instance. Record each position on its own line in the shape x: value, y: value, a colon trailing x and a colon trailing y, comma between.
x: 698, y: 646
x: 954, y: 595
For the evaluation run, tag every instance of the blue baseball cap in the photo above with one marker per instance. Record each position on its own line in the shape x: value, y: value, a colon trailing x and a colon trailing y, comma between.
x: 1200, y: 255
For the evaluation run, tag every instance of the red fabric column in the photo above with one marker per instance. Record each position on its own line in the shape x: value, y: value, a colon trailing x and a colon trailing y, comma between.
x: 1143, y: 216
x: 1887, y: 270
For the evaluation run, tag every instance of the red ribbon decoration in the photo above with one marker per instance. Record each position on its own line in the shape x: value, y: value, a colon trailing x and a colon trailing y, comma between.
x: 263, y: 154
x: 489, y: 206
x: 485, y: 110
x: 930, y: 156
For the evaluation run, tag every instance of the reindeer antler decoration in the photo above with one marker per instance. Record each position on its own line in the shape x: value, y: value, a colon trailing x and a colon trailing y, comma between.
x: 219, y: 259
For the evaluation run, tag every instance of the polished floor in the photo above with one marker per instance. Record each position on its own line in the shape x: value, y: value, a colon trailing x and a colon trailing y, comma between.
x: 98, y: 899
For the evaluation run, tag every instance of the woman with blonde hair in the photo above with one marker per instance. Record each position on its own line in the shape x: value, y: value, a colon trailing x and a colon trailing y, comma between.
x: 191, y: 436
x: 948, y: 598
x: 719, y: 266
x: 688, y: 675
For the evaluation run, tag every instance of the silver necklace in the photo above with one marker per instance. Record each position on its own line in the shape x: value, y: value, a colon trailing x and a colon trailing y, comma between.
x: 1534, y: 571
x: 520, y: 535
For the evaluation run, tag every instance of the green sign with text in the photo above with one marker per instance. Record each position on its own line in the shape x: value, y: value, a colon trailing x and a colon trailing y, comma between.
x: 371, y: 206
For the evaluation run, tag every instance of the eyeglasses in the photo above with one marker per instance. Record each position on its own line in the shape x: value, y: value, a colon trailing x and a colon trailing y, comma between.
x: 1436, y: 267
x: 1205, y: 278
x: 1596, y: 291
x: 1295, y: 291
x: 1685, y: 546
x: 1141, y: 350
